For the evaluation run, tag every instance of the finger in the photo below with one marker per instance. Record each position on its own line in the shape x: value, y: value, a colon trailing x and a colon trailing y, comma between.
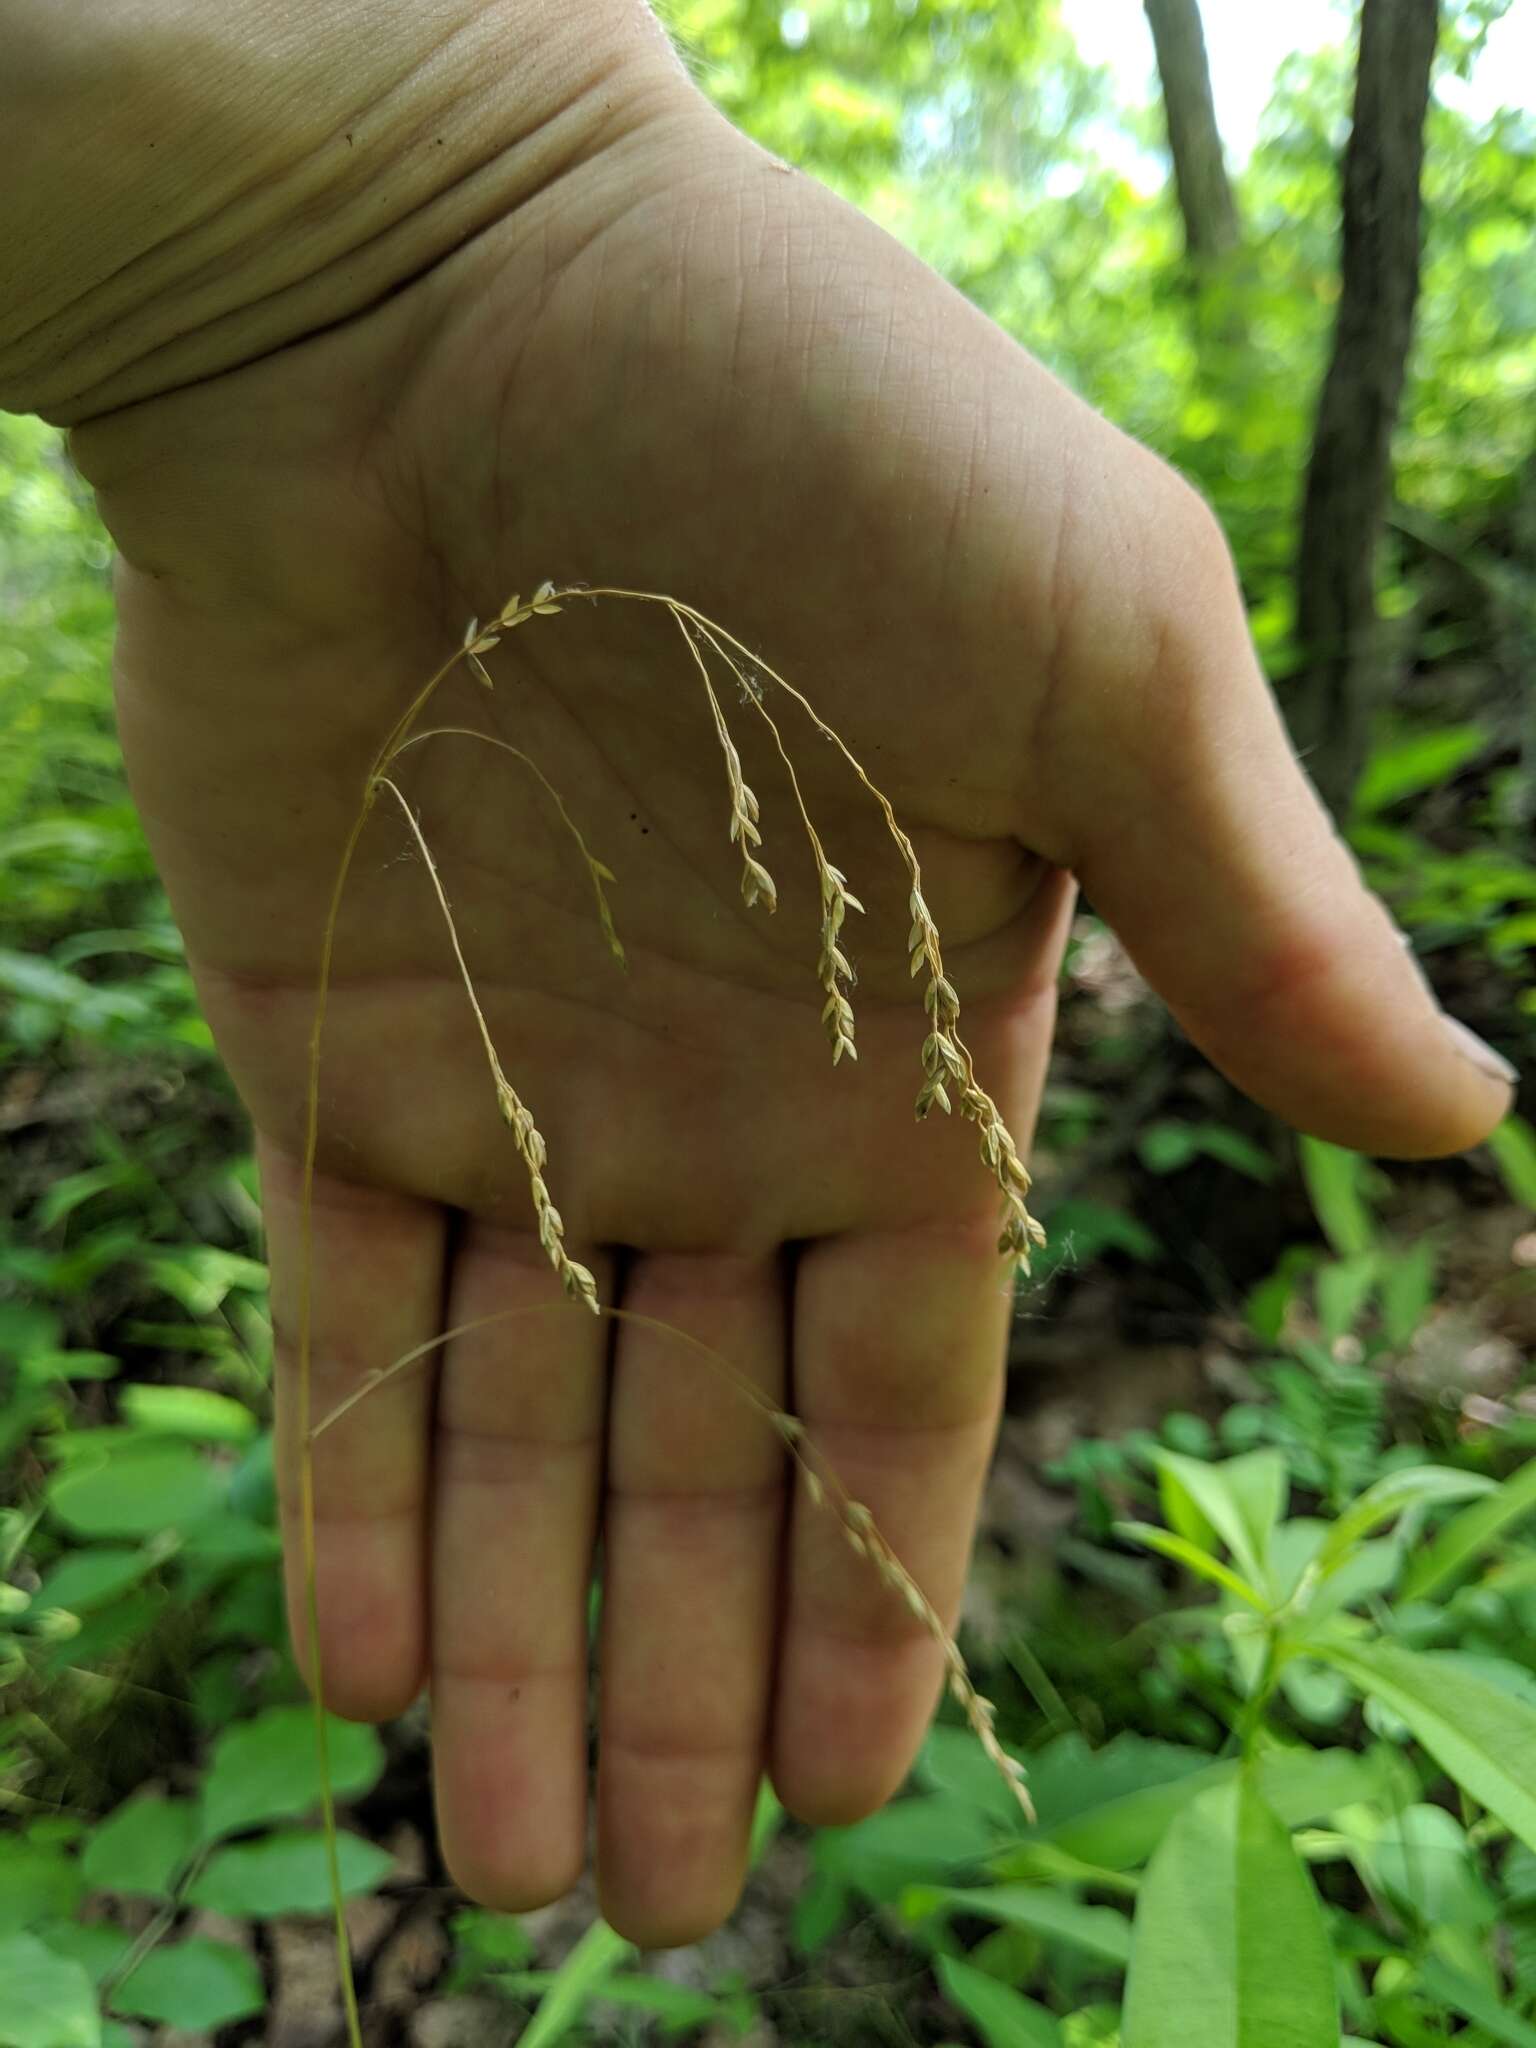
x: 691, y: 1547
x: 898, y: 1344
x: 378, y: 1287
x: 1197, y: 836
x: 518, y: 1461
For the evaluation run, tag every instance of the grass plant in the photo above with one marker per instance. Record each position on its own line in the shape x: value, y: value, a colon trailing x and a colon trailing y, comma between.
x: 949, y: 1081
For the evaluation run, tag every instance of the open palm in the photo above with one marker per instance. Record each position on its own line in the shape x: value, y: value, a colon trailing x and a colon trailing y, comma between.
x: 679, y: 368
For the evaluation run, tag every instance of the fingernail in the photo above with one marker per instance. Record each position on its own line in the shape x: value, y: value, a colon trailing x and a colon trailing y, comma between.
x: 1480, y: 1053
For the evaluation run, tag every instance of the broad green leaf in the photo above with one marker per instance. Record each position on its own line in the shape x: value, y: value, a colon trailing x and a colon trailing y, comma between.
x: 1096, y: 1930
x: 285, y: 1872
x: 84, y: 1579
x: 1368, y: 1569
x: 1407, y: 766
x: 1183, y: 1513
x: 579, y: 1979
x: 135, y: 1491
x: 952, y: 1762
x: 1466, y: 1536
x: 1420, y: 1858
x: 1480, y: 1735
x: 1336, y: 1184
x: 1316, y: 1693
x: 46, y: 2000
x: 484, y: 1941
x: 1122, y: 1833
x: 1241, y: 1498
x: 267, y: 1769
x: 38, y: 1881
x: 1301, y: 1785
x: 1503, y: 1672
x: 1230, y: 1949
x: 1198, y: 1561
x: 1475, y: 2002
x: 195, y: 1985
x: 195, y: 1412
x: 1389, y: 1497
x: 1003, y: 2017
x: 910, y: 1841
x: 1068, y: 1779
x: 94, y: 1945
x: 138, y: 1849
x: 221, y: 1540
x: 1513, y: 1146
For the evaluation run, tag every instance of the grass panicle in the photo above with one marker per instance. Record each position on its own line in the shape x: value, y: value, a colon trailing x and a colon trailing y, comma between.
x: 949, y: 1080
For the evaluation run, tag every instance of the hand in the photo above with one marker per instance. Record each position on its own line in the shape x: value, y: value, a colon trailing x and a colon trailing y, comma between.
x: 677, y: 367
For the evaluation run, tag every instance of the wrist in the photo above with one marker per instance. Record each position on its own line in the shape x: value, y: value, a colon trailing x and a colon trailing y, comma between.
x: 189, y: 187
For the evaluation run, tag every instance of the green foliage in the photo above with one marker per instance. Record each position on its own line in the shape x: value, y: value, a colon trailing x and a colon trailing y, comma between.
x: 1275, y: 1685
x: 285, y: 1872
x: 1002, y: 2017
x: 268, y: 1768
x: 49, y: 2001
x: 193, y: 1983
x: 139, y: 1850
x: 1225, y: 1898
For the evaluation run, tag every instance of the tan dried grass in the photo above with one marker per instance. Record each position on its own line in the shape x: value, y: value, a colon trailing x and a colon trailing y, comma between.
x: 949, y: 1080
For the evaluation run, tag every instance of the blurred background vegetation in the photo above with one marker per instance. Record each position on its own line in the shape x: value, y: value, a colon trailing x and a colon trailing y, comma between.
x: 1219, y: 1298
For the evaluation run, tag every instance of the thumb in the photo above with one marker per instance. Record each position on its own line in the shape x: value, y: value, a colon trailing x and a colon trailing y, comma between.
x: 1197, y: 836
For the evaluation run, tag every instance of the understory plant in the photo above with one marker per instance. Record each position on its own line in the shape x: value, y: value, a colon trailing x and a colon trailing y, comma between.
x: 1288, y: 1891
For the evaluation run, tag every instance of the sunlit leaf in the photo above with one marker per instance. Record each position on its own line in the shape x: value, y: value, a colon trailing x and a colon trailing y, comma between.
x: 137, y: 1490
x: 1230, y: 1949
x: 1417, y: 763
x: 1198, y: 1561
x: 138, y: 1849
x: 285, y: 1872
x: 194, y: 1984
x: 48, y: 2000
x: 1240, y: 1498
x: 267, y: 1768
x: 1480, y: 1735
x: 196, y: 1412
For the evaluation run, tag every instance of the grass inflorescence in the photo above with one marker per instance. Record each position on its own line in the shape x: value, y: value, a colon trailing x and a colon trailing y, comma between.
x: 948, y: 1082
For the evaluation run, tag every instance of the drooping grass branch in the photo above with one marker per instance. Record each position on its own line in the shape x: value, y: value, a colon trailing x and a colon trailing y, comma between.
x: 946, y: 1062
x: 823, y: 1487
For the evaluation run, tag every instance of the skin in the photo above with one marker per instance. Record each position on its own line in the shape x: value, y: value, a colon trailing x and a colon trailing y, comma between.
x: 642, y: 353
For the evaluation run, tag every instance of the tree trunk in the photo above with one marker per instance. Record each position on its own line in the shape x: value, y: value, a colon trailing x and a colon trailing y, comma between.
x: 1349, y: 474
x: 1199, y: 169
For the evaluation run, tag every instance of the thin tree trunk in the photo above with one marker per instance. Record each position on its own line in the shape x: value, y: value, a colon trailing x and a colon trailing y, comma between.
x: 1206, y: 203
x: 1349, y: 475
